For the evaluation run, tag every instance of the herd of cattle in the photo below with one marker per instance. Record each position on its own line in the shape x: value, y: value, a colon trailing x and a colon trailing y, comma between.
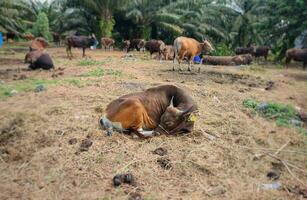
x: 183, y: 49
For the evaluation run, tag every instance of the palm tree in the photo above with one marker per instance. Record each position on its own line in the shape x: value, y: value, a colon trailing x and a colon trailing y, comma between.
x: 14, y: 15
x: 246, y: 23
x: 101, y: 11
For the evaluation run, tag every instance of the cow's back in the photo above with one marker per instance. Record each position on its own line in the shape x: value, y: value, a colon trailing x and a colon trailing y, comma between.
x: 297, y: 54
x: 184, y: 44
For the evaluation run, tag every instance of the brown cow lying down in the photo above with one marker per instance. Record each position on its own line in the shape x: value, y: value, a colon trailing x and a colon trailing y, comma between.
x: 38, y: 44
x: 297, y: 55
x: 164, y: 109
x: 245, y: 59
x: 39, y: 59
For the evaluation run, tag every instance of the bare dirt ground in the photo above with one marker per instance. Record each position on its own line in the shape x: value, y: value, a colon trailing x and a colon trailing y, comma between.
x: 224, y: 158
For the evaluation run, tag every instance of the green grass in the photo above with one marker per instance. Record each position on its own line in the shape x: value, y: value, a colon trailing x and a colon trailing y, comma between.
x: 99, y: 72
x: 284, y: 115
x: 89, y: 62
x: 29, y: 85
x: 23, y: 86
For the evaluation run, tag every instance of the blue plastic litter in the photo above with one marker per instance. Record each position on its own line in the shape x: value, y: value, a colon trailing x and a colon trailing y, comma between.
x: 1, y: 39
x: 197, y: 59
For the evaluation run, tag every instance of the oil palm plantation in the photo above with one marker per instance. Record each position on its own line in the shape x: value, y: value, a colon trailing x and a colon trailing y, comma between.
x: 15, y: 15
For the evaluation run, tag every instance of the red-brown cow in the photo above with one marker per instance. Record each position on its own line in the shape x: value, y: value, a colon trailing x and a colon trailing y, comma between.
x: 168, y: 52
x: 28, y: 36
x: 164, y: 109
x: 38, y: 44
x: 107, y: 43
x: 189, y: 48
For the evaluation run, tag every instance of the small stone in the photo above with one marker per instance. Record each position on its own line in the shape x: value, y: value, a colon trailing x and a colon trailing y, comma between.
x: 123, y: 178
x: 13, y: 92
x: 296, y: 122
x: 85, y: 145
x: 273, y: 174
x: 72, y: 141
x: 40, y: 88
x: 117, y: 181
x: 263, y: 106
x: 216, y: 191
x: 160, y: 151
x: 135, y: 196
x: 165, y: 163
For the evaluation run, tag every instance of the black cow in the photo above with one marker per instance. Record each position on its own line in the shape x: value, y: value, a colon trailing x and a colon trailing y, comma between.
x: 137, y: 44
x: 79, y: 42
x: 10, y: 35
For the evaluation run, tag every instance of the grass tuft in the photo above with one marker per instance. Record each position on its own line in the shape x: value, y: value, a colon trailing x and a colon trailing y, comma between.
x: 89, y: 62
x: 284, y: 115
x: 102, y: 72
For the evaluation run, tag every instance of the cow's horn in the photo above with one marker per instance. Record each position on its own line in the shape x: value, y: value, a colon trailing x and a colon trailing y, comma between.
x: 172, y: 103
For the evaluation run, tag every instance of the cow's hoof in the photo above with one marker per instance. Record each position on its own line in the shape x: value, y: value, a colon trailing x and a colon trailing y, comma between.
x: 109, y: 133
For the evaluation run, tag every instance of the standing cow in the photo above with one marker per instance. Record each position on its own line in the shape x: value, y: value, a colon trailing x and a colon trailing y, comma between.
x: 155, y: 46
x: 168, y: 52
x: 56, y: 38
x: 137, y: 44
x: 261, y: 51
x: 244, y: 50
x: 126, y: 44
x: 297, y: 55
x: 107, y: 43
x: 79, y: 42
x: 10, y: 35
x: 188, y: 48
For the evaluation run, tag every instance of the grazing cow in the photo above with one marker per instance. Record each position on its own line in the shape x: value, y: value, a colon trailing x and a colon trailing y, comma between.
x: 56, y: 38
x: 261, y: 51
x: 126, y: 44
x: 38, y: 43
x: 155, y: 46
x: 38, y: 59
x: 79, y: 42
x: 168, y: 52
x: 245, y: 59
x: 297, y: 55
x: 137, y: 44
x: 107, y: 43
x: 164, y: 109
x: 10, y: 35
x: 189, y: 48
x: 28, y: 36
x: 244, y: 50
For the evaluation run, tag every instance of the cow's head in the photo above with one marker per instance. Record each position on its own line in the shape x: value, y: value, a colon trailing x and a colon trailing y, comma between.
x: 92, y: 40
x: 175, y: 120
x: 32, y: 56
x: 207, y: 46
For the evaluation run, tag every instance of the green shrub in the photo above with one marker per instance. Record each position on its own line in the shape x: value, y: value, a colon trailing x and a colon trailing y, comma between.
x: 222, y: 50
x: 41, y: 27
